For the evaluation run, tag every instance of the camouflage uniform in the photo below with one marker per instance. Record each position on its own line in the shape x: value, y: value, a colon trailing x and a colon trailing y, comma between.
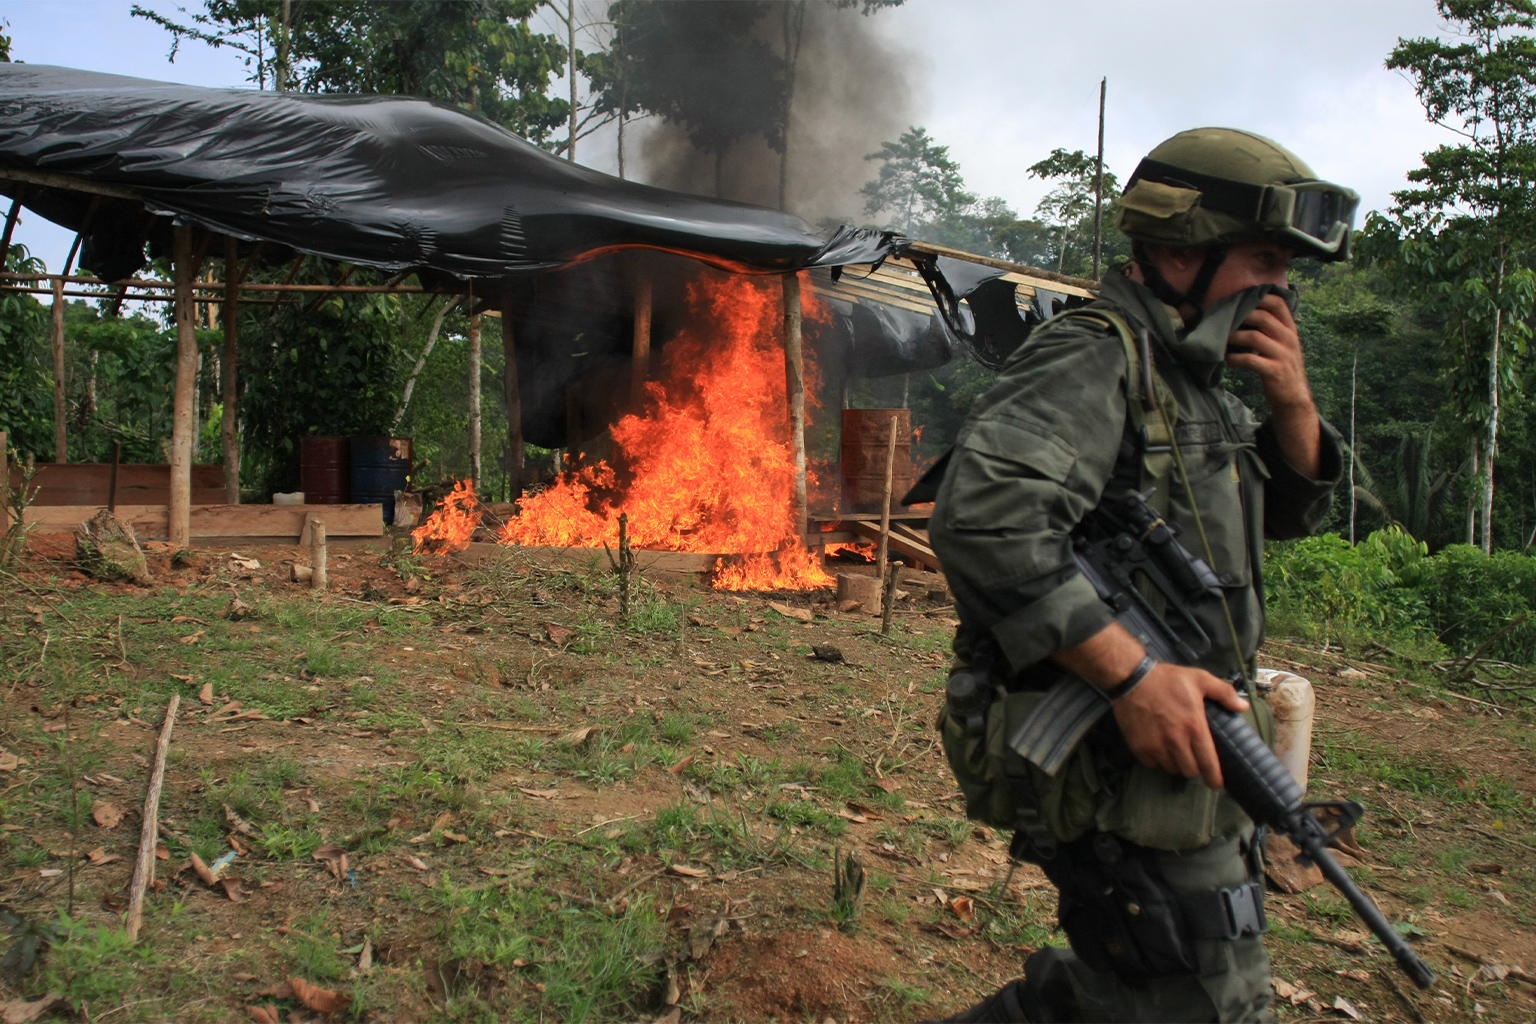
x: 1035, y: 456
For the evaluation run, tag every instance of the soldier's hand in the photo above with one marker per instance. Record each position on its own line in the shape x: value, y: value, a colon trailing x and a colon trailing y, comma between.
x: 1269, y: 344
x: 1164, y: 723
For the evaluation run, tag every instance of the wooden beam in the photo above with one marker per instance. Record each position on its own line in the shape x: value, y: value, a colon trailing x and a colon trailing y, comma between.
x: 794, y: 382
x: 10, y: 223
x: 274, y: 523
x: 65, y: 181
x: 512, y: 397
x: 474, y: 401
x: 180, y: 511
x: 60, y: 439
x: 640, y: 365
x: 227, y: 381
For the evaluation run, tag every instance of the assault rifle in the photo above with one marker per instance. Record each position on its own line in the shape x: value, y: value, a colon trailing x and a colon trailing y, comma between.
x: 1118, y: 544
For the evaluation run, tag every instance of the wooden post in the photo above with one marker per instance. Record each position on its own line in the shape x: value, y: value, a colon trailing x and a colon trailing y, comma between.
x: 885, y: 506
x: 60, y: 439
x: 117, y: 455
x: 890, y: 598
x: 513, y: 399
x: 640, y: 366
x: 474, y: 401
x: 794, y: 382
x: 318, y: 579
x: 186, y: 380
x: 227, y: 381
x: 144, y: 866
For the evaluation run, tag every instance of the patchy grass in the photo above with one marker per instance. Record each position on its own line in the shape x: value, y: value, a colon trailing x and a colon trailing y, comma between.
x: 542, y: 824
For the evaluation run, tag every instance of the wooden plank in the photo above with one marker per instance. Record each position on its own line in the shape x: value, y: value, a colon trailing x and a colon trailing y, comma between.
x: 901, y: 543
x: 86, y: 483
x: 274, y: 522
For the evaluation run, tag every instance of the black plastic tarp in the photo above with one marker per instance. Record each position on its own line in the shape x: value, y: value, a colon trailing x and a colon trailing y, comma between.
x: 383, y: 181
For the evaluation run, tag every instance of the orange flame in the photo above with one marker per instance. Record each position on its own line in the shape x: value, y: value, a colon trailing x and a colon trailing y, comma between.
x: 706, y: 465
x: 450, y: 528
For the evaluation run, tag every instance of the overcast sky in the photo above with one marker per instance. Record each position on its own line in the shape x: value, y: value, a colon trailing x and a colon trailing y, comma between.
x: 1001, y: 83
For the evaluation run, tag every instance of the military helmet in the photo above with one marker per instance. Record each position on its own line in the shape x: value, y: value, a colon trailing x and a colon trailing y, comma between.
x: 1217, y: 186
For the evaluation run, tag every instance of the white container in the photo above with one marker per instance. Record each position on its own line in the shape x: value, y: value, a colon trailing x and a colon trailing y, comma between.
x: 288, y: 498
x: 1294, y: 704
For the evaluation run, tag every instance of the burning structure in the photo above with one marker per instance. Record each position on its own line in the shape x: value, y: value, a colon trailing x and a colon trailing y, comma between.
x: 698, y: 438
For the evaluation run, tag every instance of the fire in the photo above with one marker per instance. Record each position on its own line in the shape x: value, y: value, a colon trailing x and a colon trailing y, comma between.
x: 706, y: 465
x: 450, y: 528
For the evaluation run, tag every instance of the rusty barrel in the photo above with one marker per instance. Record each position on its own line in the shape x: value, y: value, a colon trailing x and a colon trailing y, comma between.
x: 323, y: 470
x: 865, y: 435
x: 380, y: 467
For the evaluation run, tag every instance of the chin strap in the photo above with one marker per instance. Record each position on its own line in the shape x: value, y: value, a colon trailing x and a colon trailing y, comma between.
x: 1194, y: 296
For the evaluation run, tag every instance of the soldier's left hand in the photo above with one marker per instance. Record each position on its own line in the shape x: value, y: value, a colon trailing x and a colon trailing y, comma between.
x: 1273, y: 352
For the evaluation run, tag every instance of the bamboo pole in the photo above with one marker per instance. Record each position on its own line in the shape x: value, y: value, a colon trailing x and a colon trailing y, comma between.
x: 474, y: 401
x: 885, y: 506
x: 186, y: 380
x: 513, y: 399
x: 60, y: 438
x: 144, y: 867
x: 794, y: 381
x: 227, y: 379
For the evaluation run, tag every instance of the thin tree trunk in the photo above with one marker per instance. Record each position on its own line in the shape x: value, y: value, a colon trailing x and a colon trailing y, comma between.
x: 1472, y: 497
x: 1491, y: 442
x: 228, y: 393
x: 60, y: 437
x: 474, y: 400
x: 182, y: 424
x: 283, y: 47
x: 512, y: 396
x: 570, y: 35
x: 1354, y: 380
x: 794, y: 379
x: 421, y: 361
x: 1098, y: 199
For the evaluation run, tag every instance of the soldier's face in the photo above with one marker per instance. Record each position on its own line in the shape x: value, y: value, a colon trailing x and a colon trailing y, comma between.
x: 1247, y: 264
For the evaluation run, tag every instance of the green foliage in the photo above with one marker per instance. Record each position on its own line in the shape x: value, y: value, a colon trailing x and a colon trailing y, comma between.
x: 1390, y: 586
x: 27, y: 938
x: 477, y: 54
x: 918, y: 182
x: 26, y: 365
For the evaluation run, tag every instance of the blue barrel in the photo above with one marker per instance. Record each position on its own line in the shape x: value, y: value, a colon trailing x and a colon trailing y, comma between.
x: 380, y: 467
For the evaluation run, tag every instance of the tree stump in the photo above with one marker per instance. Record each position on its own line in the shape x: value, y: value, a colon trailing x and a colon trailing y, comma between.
x: 855, y: 592
x: 107, y: 549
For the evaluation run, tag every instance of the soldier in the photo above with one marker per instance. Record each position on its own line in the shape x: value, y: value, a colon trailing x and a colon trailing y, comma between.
x: 1159, y: 872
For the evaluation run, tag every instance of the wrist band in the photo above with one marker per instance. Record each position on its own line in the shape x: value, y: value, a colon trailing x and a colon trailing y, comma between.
x: 1140, y: 672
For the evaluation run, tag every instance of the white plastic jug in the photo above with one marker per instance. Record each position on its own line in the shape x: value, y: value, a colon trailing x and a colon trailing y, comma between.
x: 1291, y: 699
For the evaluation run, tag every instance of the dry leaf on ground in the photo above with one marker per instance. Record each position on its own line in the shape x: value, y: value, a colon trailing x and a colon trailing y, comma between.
x: 334, y: 857
x: 682, y: 765
x: 1346, y: 1007
x: 100, y: 856
x: 963, y: 907
x: 542, y: 794
x: 8, y: 761
x: 888, y: 785
x: 417, y: 863
x: 321, y: 1000
x: 688, y: 871
x: 265, y: 1015
x: 106, y: 814
x: 208, y: 877
x: 556, y: 633
x: 790, y: 612
x: 191, y: 638
x: 231, y: 888
x: 205, y: 695
x: 950, y: 931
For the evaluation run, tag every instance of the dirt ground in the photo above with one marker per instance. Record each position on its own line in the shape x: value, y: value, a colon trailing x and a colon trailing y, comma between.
x: 444, y: 790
